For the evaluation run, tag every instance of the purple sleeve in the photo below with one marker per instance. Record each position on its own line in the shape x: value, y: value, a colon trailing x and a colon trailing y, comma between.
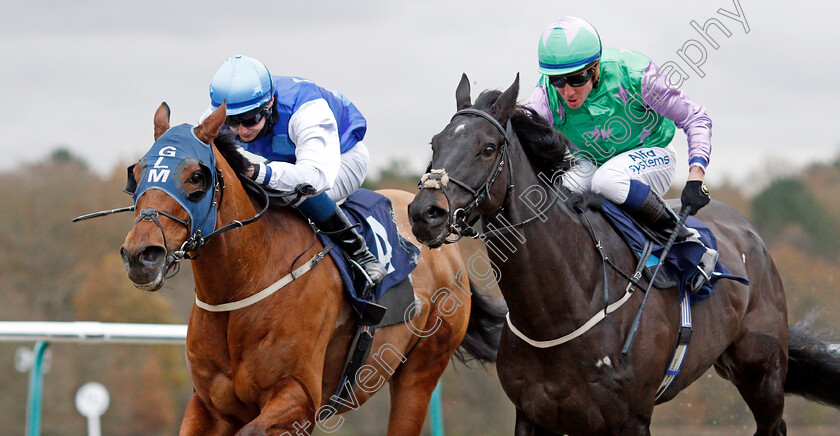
x: 686, y: 114
x: 539, y: 103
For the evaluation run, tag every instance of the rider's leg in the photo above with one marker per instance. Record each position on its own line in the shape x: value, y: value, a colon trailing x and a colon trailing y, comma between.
x: 579, y: 177
x: 654, y: 212
x: 635, y: 180
x: 330, y: 219
x: 322, y: 210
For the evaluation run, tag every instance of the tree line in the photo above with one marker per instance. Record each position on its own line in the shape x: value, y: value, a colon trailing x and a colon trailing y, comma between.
x: 54, y: 270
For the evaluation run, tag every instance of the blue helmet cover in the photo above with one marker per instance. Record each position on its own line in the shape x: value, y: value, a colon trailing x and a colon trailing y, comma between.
x: 161, y: 169
x: 243, y: 82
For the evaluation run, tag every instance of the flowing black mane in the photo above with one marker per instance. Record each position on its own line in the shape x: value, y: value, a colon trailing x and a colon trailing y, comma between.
x: 228, y: 147
x: 545, y: 147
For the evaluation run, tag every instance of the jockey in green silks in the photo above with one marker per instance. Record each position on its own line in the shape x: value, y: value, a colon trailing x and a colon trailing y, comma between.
x: 618, y: 110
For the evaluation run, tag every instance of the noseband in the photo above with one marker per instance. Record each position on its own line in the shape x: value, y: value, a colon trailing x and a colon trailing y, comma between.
x: 196, y: 240
x: 439, y: 179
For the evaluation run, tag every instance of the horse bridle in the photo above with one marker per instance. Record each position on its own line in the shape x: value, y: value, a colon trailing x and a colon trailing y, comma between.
x: 459, y: 225
x: 195, y: 241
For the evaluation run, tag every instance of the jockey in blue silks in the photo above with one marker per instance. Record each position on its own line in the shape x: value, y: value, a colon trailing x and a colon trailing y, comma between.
x: 307, y: 135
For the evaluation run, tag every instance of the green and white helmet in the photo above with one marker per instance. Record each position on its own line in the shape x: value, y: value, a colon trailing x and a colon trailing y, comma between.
x: 567, y: 45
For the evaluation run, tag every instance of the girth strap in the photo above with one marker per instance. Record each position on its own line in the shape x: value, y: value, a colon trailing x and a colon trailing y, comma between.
x: 356, y: 357
x: 682, y: 346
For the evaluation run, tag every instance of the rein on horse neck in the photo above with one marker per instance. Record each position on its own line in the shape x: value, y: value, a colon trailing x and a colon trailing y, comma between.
x: 196, y: 241
x: 633, y: 282
x: 478, y: 196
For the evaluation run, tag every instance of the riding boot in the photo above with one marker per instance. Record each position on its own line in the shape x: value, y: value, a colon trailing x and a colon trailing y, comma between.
x: 344, y: 234
x: 657, y: 215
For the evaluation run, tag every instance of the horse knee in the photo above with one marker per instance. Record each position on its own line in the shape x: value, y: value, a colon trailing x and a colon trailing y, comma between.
x: 635, y: 425
x: 291, y: 411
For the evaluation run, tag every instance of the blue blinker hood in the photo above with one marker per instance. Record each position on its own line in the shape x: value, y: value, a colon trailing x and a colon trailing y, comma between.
x: 161, y: 169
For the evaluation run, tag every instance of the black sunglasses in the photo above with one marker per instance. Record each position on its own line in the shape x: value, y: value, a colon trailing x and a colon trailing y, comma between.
x: 247, y: 119
x: 574, y: 80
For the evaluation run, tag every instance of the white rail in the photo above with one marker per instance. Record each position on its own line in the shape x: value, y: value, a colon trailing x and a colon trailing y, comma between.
x: 92, y: 332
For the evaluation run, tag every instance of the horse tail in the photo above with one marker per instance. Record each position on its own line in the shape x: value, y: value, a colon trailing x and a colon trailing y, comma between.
x: 487, y: 317
x: 813, y: 366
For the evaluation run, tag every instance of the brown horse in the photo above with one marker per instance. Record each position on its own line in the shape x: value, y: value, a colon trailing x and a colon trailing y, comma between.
x: 271, y: 367
x: 554, y: 279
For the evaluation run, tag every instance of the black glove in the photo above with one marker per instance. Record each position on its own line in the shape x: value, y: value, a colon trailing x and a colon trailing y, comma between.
x: 695, y: 195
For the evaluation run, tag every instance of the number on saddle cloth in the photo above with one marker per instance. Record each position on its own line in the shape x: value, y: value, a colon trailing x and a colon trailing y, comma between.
x: 375, y: 216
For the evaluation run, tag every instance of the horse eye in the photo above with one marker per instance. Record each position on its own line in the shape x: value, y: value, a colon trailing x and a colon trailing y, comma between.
x: 196, y: 178
x: 489, y: 150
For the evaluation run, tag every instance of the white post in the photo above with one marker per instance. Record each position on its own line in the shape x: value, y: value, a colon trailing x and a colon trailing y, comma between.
x: 92, y: 401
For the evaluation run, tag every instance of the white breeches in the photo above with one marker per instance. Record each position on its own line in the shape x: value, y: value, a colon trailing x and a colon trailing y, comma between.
x: 654, y: 166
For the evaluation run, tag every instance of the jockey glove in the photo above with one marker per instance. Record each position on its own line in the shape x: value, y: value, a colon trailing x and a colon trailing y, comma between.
x: 695, y: 195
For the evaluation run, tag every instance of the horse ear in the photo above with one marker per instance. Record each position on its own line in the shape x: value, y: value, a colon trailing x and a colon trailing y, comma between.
x: 161, y: 120
x: 207, y: 131
x: 506, y: 102
x: 462, y: 94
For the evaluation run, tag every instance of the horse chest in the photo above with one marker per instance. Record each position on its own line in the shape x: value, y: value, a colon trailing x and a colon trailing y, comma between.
x: 213, y: 383
x: 569, y: 391
x: 221, y: 380
x: 576, y: 407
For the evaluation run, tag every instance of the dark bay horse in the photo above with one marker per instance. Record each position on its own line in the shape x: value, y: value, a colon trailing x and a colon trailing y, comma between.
x: 553, y: 279
x: 271, y: 367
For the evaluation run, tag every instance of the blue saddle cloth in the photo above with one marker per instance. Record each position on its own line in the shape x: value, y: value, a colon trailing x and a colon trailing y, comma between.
x: 378, y: 225
x: 683, y: 257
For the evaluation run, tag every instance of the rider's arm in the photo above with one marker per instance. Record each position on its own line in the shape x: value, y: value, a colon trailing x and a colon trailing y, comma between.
x: 539, y: 103
x: 314, y: 132
x: 686, y: 114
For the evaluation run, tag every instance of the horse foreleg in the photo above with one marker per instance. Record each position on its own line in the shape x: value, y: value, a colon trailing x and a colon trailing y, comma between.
x: 290, y: 411
x: 526, y: 427
x: 198, y: 420
x: 415, y: 380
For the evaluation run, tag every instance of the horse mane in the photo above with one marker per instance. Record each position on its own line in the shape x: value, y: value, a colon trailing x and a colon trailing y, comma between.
x: 229, y: 148
x: 545, y: 147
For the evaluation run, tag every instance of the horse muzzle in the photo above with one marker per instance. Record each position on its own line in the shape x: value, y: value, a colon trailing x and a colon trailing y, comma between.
x: 430, y: 222
x: 146, y: 266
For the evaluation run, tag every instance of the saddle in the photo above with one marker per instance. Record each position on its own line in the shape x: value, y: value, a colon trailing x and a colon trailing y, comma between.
x: 374, y: 215
x: 677, y: 270
x: 679, y: 267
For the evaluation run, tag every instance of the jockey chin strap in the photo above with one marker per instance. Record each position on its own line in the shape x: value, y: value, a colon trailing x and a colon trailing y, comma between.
x: 438, y: 179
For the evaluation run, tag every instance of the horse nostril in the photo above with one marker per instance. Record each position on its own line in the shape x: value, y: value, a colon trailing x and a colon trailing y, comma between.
x: 435, y: 213
x: 152, y: 255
